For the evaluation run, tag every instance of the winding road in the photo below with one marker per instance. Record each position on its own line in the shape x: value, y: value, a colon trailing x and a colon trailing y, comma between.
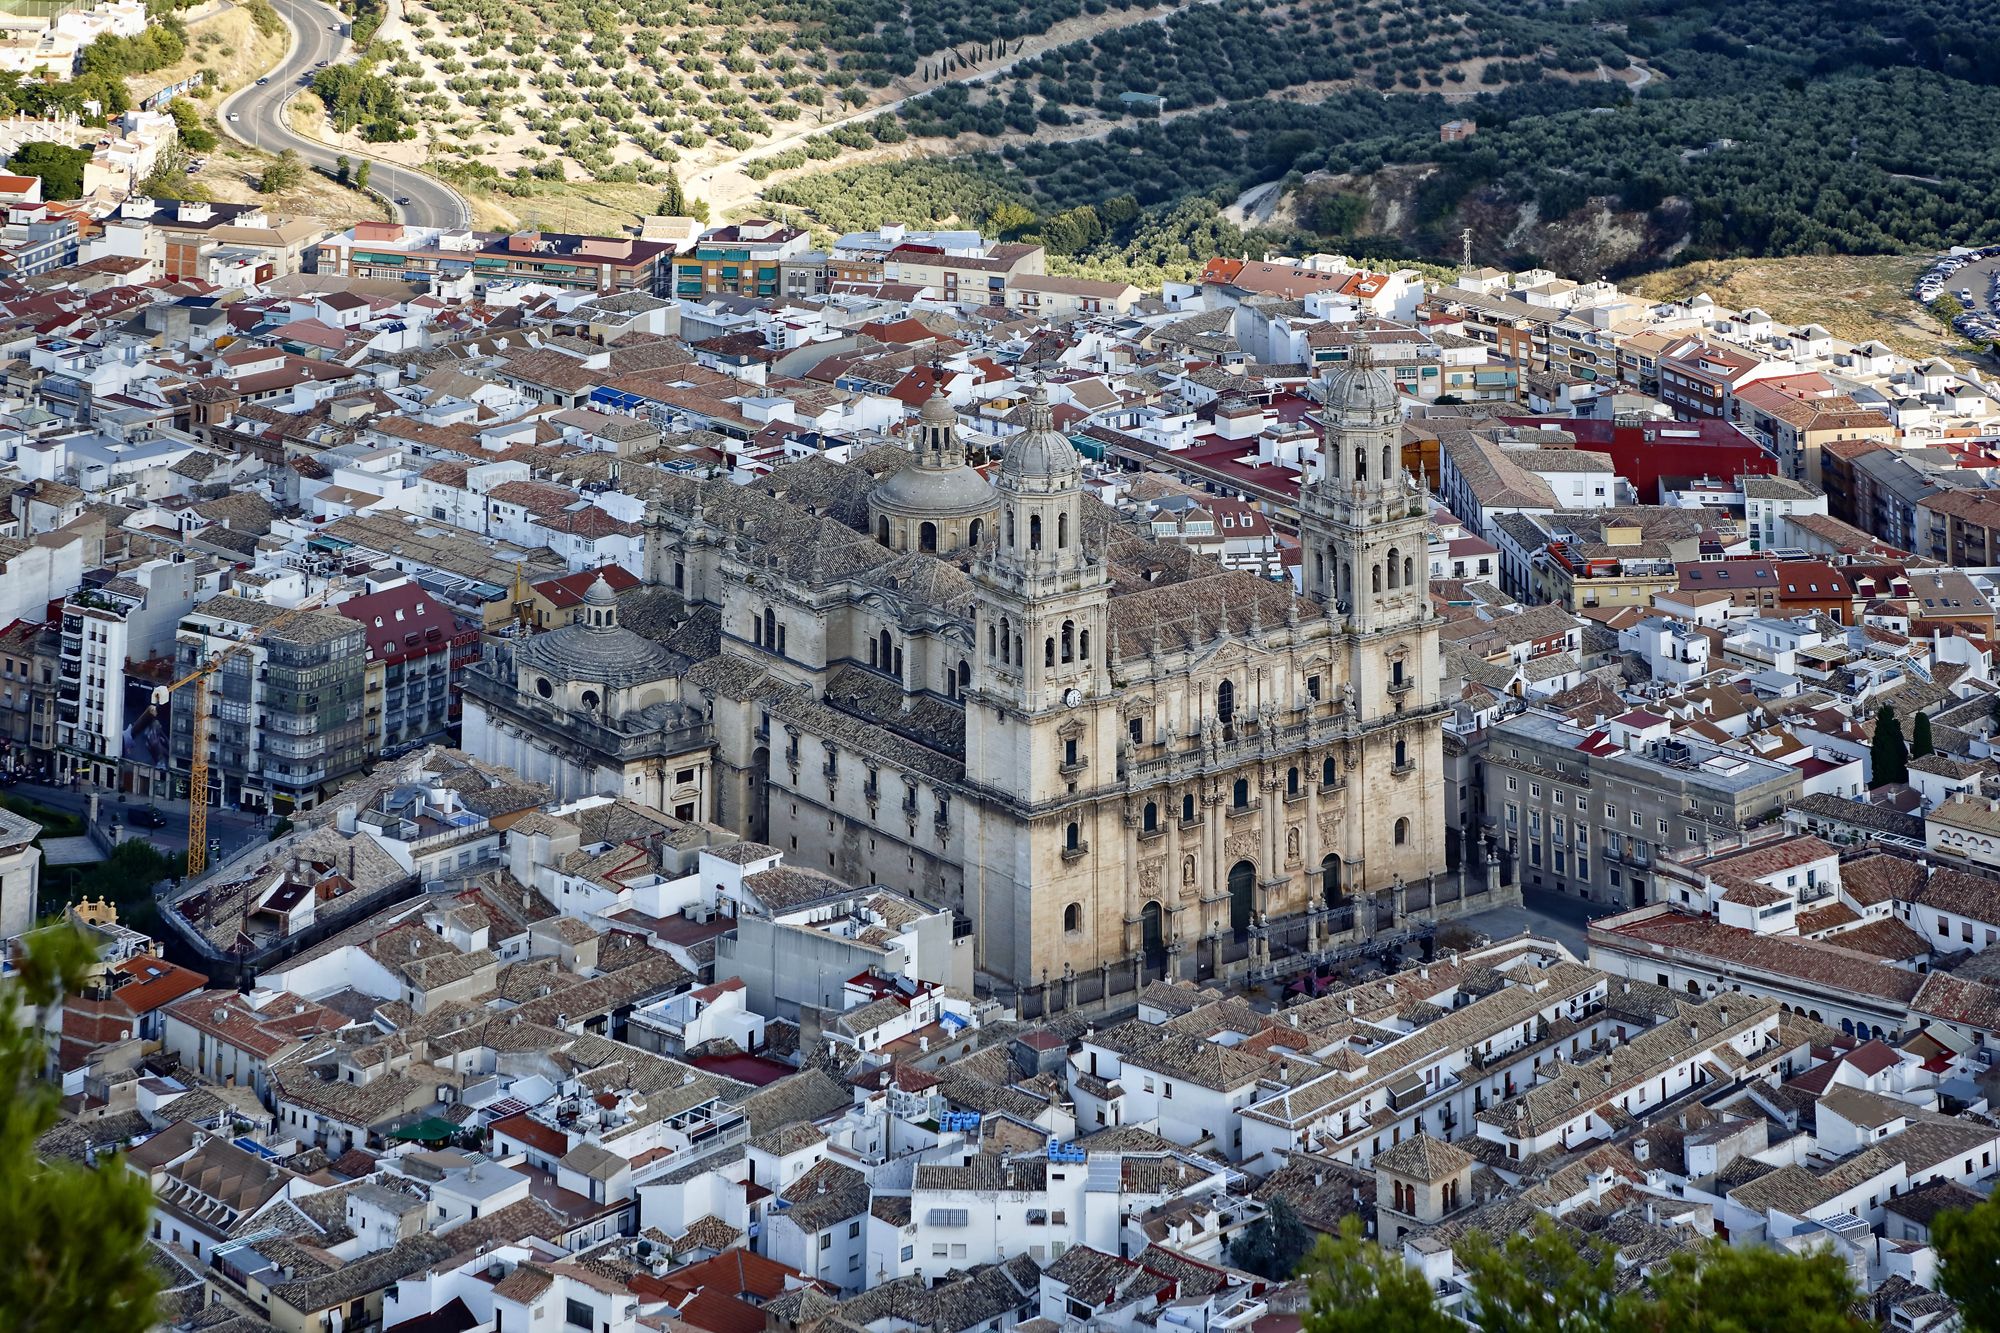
x: 256, y: 115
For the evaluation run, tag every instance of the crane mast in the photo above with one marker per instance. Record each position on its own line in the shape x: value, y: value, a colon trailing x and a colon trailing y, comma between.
x: 197, y: 833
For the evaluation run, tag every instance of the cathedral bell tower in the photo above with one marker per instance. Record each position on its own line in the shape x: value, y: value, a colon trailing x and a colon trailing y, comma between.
x: 1041, y: 661
x: 1362, y: 525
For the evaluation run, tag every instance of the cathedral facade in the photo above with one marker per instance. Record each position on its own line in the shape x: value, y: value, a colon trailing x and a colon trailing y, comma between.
x: 1113, y: 758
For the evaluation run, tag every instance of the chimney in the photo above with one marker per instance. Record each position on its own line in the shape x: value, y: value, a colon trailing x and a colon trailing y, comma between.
x: 1575, y: 1091
x: 1694, y: 1032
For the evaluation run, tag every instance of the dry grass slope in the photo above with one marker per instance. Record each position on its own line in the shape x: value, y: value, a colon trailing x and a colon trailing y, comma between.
x: 1854, y: 296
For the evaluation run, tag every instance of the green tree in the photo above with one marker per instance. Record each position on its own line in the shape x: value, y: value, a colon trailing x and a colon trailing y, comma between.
x: 1339, y: 214
x: 1272, y: 1245
x: 361, y: 172
x: 74, y: 1235
x: 1946, y: 307
x: 194, y: 136
x: 60, y: 168
x: 1891, y: 757
x: 286, y: 172
x: 1968, y: 1243
x: 1748, y: 1289
x: 673, y: 200
x: 341, y: 168
x: 1921, y: 743
x: 1356, y: 1286
x: 1540, y: 1281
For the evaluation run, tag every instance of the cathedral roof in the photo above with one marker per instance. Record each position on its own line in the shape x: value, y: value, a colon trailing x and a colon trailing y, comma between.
x: 1178, y: 616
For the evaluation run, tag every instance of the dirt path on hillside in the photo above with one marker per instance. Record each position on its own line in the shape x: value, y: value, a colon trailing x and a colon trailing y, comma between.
x: 725, y: 186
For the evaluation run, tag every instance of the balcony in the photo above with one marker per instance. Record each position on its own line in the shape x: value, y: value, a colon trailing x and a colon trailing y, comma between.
x: 1078, y: 851
x: 1399, y: 688
x: 1403, y: 769
x: 1069, y: 768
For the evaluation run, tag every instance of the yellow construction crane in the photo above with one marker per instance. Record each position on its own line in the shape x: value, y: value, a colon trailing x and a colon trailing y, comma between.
x: 197, y: 837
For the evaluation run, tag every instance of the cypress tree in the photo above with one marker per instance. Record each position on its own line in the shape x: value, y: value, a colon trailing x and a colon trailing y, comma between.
x: 1921, y: 743
x: 1890, y: 755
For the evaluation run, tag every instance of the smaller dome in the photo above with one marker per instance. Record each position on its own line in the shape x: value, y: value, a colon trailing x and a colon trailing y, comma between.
x: 1362, y: 391
x: 599, y: 593
x: 1041, y: 452
x: 937, y: 411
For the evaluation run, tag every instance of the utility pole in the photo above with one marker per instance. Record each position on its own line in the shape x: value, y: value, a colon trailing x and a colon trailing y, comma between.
x: 1465, y: 244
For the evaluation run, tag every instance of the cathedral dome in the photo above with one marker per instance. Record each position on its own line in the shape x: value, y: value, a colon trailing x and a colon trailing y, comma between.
x: 1041, y: 452
x: 918, y: 491
x: 596, y: 648
x: 1362, y: 391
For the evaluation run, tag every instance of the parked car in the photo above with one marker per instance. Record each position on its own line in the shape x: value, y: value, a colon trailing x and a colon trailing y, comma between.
x: 147, y: 816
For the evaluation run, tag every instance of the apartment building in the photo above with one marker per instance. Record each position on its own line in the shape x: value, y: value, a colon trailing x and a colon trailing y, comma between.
x: 965, y: 279
x: 28, y: 661
x: 1587, y: 812
x: 103, y: 629
x: 416, y: 648
x: 557, y: 259
x: 743, y: 259
x: 285, y: 708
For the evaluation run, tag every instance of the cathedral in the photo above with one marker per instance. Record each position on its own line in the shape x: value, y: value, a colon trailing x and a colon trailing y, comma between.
x: 1112, y: 758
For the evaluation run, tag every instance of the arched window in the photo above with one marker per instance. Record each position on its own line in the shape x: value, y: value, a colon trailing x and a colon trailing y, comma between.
x: 1073, y: 917
x: 1069, y: 641
x: 992, y: 642
x: 770, y: 628
x: 1402, y: 832
x: 1020, y: 650
x: 1375, y: 579
x: 1410, y: 573
x: 1240, y: 793
x: 1386, y: 472
x: 1152, y: 938
x: 1049, y: 652
x: 1395, y: 565
x: 1006, y: 632
x: 1242, y: 890
x: 975, y: 532
x: 1329, y: 772
x: 590, y: 701
x: 1072, y: 837
x: 1396, y: 672
x: 1010, y: 527
x: 964, y: 673
x: 1083, y: 645
x: 1292, y: 781
x: 1187, y: 808
x: 927, y: 536
x: 1062, y: 531
x: 1034, y: 532
x: 1329, y: 881
x: 1225, y: 701
x: 882, y: 530
x: 1402, y: 753
x: 1361, y: 465
x: 888, y: 650
x: 1149, y: 818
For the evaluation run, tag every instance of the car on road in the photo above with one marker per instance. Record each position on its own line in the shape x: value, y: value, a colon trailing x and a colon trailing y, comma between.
x: 147, y: 816
x: 261, y: 82
x: 234, y: 117
x: 319, y: 64
x: 402, y: 201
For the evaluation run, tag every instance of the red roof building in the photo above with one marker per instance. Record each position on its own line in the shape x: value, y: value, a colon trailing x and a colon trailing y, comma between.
x: 417, y: 651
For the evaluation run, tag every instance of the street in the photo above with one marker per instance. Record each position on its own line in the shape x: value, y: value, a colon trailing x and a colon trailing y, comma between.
x: 233, y: 829
x: 256, y: 115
